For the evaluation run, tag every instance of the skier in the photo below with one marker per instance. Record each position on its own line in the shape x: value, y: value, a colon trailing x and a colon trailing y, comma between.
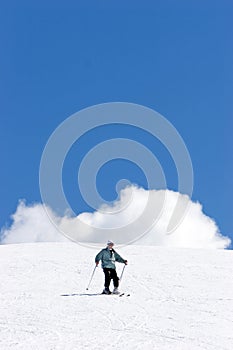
x: 108, y: 256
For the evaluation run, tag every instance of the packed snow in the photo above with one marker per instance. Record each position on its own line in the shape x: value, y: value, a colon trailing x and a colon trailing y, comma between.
x: 180, y: 299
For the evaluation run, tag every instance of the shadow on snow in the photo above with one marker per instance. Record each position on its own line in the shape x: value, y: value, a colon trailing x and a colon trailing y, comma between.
x: 80, y: 295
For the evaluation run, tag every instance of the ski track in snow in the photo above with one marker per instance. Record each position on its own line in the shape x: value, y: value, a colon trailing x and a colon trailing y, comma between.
x: 180, y: 299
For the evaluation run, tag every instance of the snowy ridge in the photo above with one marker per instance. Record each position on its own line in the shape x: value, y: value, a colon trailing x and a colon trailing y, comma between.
x: 180, y: 299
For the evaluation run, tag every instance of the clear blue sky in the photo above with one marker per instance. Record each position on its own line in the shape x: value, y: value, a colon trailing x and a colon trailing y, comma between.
x: 176, y: 57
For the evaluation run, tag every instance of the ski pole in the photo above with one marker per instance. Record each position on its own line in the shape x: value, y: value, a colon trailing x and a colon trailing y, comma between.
x: 122, y: 273
x: 91, y: 277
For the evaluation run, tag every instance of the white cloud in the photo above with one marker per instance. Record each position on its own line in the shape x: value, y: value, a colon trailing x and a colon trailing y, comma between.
x: 31, y: 224
x: 196, y: 230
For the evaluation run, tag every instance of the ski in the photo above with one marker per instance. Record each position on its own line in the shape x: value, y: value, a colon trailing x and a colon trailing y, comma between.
x: 124, y: 294
x: 118, y: 295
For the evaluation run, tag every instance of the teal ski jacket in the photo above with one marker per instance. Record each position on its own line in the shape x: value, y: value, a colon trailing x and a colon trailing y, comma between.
x: 108, y: 259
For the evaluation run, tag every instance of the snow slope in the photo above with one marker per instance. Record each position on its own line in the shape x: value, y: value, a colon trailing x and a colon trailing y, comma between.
x: 181, y: 299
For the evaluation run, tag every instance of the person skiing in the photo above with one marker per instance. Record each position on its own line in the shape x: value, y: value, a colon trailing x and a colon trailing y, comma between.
x: 108, y: 256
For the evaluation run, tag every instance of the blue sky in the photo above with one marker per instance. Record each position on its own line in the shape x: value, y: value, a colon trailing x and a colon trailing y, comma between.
x: 176, y: 57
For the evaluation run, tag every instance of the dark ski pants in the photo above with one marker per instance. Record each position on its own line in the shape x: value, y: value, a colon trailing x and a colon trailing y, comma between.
x: 110, y: 274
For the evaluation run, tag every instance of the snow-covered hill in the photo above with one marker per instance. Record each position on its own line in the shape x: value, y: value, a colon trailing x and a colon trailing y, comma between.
x: 181, y: 299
